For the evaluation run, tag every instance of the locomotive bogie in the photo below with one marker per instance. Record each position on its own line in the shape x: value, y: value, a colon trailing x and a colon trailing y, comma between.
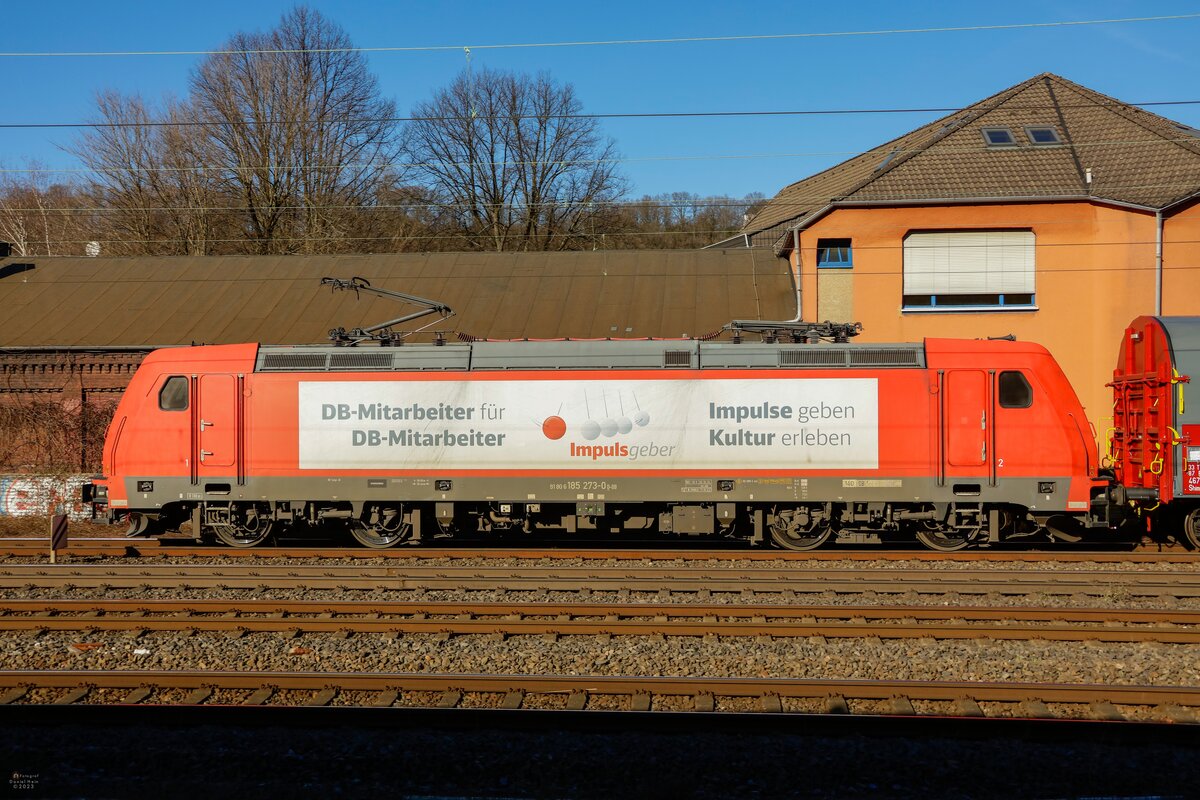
x: 790, y: 525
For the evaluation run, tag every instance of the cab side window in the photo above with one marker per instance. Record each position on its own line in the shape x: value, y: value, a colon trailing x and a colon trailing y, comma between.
x: 1014, y: 391
x: 174, y: 394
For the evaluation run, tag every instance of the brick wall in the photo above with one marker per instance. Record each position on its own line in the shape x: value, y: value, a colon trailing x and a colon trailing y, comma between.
x: 55, y: 407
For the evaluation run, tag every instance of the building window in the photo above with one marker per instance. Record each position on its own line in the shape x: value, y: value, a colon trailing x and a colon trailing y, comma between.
x: 834, y: 254
x: 969, y: 271
x: 999, y: 137
x: 1042, y: 134
x: 174, y: 394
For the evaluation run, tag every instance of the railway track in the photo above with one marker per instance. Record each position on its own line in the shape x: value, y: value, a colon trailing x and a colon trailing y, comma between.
x: 127, y: 548
x: 584, y: 580
x: 593, y: 692
x: 709, y: 594
x: 445, y: 619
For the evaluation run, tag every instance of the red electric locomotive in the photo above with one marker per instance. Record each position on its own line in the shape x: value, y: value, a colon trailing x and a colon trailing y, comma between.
x: 952, y: 442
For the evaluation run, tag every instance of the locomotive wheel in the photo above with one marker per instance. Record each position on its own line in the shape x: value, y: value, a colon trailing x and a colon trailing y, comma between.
x: 138, y: 525
x: 377, y: 538
x: 242, y: 535
x: 791, y: 537
x: 1191, y: 528
x: 946, y: 541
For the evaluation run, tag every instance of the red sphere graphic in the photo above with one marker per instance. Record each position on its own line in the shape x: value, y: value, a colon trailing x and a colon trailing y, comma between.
x: 554, y: 427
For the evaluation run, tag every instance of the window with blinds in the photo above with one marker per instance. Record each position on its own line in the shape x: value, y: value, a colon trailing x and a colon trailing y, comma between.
x: 969, y: 270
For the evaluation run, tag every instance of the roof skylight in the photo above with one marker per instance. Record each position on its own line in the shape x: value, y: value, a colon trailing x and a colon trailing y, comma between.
x: 1042, y: 134
x: 999, y: 137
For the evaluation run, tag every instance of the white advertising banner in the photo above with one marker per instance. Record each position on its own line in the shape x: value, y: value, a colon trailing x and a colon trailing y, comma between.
x: 569, y: 425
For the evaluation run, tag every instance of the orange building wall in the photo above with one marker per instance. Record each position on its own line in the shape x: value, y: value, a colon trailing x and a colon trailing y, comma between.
x: 1095, y: 272
x: 1181, y: 263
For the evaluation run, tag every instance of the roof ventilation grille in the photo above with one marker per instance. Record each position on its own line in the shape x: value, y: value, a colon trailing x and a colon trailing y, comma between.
x: 677, y: 358
x: 884, y: 357
x: 293, y: 362
x: 812, y: 358
x: 360, y: 360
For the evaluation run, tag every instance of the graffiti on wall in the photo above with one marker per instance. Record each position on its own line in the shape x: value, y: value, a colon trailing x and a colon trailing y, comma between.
x: 38, y: 495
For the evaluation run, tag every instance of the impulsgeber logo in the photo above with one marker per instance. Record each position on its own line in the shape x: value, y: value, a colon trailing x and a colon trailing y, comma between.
x: 591, y: 427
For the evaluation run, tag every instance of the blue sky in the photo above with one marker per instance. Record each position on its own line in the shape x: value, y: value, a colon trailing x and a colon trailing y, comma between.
x: 1135, y: 62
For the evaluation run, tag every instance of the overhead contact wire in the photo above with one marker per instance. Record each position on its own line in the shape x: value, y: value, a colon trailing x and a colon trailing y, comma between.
x: 602, y: 42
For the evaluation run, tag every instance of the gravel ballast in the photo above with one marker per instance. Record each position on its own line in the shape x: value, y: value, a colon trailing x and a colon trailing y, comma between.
x: 814, y: 657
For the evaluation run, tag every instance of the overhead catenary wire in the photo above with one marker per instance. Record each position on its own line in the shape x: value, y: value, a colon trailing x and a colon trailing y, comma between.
x: 571, y: 235
x: 941, y: 151
x: 801, y: 201
x: 466, y: 48
x: 795, y: 202
x: 597, y: 115
x: 600, y: 42
x: 109, y: 280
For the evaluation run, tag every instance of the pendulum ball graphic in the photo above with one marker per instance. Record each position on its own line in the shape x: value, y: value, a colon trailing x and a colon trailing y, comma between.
x: 608, y: 425
x: 624, y: 424
x: 641, y: 417
x: 591, y: 428
x: 554, y: 427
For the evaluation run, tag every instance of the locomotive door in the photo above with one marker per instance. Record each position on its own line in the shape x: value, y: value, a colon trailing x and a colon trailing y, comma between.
x: 217, y: 426
x: 966, y: 422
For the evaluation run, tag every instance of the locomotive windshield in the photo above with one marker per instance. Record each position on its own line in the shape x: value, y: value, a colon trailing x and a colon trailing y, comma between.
x: 174, y: 394
x: 1015, y: 391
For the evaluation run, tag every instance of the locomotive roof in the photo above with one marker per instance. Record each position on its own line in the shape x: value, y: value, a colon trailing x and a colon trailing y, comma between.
x: 598, y: 355
x: 152, y: 301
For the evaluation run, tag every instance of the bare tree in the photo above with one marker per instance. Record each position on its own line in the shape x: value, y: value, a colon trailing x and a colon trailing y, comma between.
x: 679, y: 219
x: 121, y: 153
x: 512, y: 162
x: 187, y: 186
x: 39, y: 216
x: 154, y: 192
x: 285, y: 145
x: 298, y: 126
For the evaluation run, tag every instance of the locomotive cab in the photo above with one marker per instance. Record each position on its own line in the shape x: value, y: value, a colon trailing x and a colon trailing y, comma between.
x: 176, y: 437
x: 1011, y: 427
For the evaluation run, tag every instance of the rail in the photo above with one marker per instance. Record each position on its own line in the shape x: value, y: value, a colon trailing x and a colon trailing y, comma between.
x: 448, y: 618
x: 578, y: 693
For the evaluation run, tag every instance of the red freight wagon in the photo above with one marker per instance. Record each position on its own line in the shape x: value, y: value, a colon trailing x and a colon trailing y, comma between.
x: 1155, y: 439
x: 949, y: 441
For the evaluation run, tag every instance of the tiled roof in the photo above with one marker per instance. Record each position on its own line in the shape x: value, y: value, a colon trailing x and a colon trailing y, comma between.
x: 97, y: 302
x: 1134, y: 157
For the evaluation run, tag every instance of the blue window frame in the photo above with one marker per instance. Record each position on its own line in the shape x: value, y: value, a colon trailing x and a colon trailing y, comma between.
x: 948, y: 302
x: 834, y: 254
